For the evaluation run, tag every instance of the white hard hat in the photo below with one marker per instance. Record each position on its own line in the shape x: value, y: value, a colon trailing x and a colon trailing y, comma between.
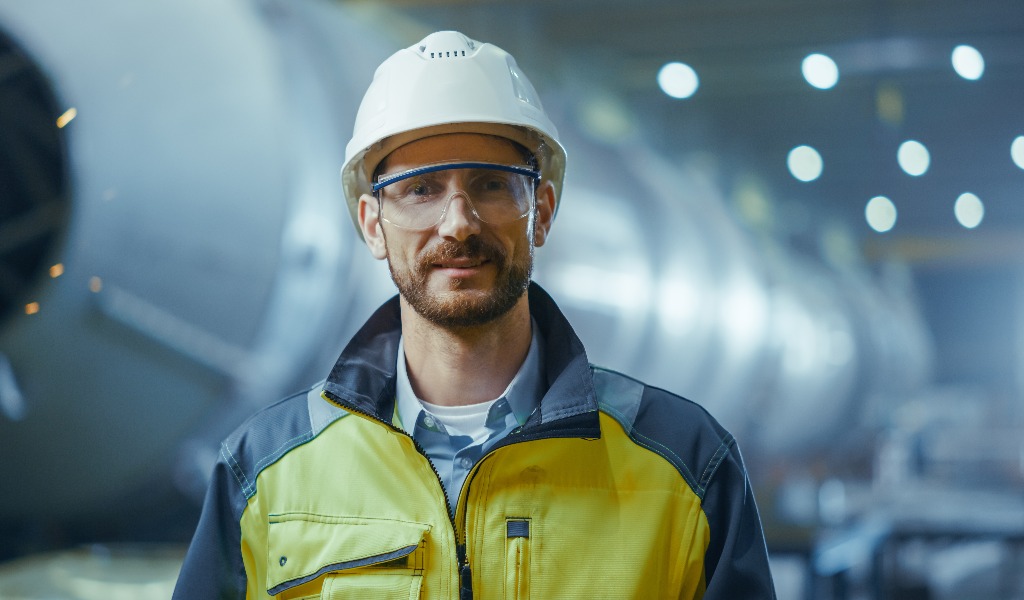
x: 447, y: 83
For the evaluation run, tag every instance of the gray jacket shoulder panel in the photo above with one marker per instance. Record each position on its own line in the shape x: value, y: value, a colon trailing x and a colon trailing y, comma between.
x: 273, y: 432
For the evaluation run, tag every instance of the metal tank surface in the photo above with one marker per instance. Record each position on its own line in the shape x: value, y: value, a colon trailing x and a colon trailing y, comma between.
x: 206, y: 261
x: 208, y: 266
x: 792, y: 353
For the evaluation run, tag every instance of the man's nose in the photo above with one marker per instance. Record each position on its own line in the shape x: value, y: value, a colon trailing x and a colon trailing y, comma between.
x: 459, y: 220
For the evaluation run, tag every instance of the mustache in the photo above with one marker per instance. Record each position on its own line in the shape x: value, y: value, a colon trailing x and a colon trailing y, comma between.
x: 473, y: 248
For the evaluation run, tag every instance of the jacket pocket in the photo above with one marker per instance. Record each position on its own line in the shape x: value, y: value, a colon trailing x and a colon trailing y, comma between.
x: 517, y: 558
x: 355, y: 557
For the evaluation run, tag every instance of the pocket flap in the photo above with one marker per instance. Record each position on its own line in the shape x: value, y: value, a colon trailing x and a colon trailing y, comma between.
x: 302, y: 547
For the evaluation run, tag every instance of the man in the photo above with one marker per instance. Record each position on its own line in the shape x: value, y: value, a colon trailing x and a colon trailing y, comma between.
x: 463, y: 446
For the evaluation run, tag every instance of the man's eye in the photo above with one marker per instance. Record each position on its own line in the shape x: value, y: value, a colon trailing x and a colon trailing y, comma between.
x: 420, y: 188
x: 493, y: 182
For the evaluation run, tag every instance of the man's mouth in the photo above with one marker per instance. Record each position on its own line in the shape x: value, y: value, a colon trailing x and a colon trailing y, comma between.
x: 460, y: 263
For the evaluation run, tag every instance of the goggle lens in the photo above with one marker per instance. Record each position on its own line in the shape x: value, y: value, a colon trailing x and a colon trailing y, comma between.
x: 419, y: 198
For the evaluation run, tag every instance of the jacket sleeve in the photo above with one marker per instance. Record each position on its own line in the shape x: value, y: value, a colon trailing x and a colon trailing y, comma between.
x: 213, y: 565
x: 736, y: 561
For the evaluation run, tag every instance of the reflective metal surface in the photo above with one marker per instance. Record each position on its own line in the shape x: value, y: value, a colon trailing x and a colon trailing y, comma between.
x: 208, y: 265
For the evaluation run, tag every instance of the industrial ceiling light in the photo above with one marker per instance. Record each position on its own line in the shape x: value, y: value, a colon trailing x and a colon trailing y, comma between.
x: 968, y: 62
x: 820, y: 71
x: 678, y: 80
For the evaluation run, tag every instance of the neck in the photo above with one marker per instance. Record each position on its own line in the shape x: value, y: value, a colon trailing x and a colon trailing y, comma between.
x: 457, y: 367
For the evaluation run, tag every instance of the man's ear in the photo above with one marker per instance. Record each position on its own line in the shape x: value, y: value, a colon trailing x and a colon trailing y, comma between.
x: 369, y: 224
x: 545, y: 212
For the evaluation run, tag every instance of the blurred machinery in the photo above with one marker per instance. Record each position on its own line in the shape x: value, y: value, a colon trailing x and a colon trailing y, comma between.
x: 174, y: 253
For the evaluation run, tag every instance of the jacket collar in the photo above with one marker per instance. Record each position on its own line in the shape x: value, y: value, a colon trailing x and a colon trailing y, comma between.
x: 363, y: 378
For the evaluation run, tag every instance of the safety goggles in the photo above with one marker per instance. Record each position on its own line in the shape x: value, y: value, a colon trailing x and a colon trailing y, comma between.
x: 418, y: 199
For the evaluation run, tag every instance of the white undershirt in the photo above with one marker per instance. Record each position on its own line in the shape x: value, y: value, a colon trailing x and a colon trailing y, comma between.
x: 468, y: 420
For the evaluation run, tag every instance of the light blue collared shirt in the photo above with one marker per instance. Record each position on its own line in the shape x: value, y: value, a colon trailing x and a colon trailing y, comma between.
x: 454, y: 455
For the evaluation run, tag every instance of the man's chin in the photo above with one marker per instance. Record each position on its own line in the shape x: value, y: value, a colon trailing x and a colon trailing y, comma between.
x: 463, y: 308
x: 454, y: 289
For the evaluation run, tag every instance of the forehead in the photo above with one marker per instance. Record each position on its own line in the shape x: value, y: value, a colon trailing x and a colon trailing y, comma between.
x: 452, y: 147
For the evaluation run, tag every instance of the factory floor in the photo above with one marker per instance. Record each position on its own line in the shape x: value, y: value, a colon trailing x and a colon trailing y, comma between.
x: 95, y: 572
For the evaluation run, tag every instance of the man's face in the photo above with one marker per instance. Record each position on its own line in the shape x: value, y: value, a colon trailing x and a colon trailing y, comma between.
x: 463, y: 271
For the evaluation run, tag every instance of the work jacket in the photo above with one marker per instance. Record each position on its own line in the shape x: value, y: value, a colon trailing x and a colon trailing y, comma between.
x: 611, y: 489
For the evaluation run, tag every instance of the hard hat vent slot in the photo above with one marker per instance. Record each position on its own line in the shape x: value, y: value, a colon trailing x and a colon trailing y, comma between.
x: 448, y: 54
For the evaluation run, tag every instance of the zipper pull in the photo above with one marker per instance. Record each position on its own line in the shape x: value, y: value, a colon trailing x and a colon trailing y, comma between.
x: 465, y: 574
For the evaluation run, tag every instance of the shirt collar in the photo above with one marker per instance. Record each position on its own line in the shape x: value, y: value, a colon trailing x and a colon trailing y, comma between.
x: 523, y: 392
x: 363, y: 378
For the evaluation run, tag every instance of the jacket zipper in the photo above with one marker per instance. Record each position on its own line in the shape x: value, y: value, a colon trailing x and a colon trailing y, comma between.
x: 464, y: 571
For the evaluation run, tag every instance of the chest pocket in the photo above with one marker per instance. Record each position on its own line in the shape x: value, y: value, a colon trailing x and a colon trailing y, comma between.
x: 315, y: 556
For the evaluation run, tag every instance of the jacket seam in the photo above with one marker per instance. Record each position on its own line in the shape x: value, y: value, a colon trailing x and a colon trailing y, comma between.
x: 277, y: 453
x: 569, y: 411
x: 716, y: 460
x: 684, y: 470
x: 648, y: 443
x: 249, y: 487
x: 236, y: 470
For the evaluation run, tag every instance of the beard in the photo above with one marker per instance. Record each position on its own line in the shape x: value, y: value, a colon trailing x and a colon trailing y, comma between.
x: 460, y: 308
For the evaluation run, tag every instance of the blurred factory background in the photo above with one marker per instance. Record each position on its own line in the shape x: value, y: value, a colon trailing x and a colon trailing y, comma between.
x: 808, y: 217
